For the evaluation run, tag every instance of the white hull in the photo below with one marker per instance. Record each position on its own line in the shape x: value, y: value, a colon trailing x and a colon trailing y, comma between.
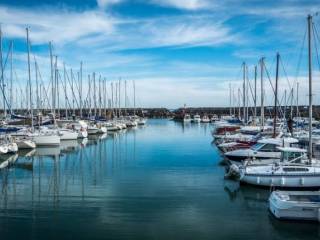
x: 68, y: 135
x: 82, y: 134
x: 26, y: 144
x: 102, y: 130
x: 46, y: 140
x: 12, y: 148
x: 3, y: 149
x: 295, y: 205
x: 306, y: 181
x: 93, y: 130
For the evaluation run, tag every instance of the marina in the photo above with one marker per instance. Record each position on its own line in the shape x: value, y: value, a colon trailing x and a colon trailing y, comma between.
x: 159, y: 120
x: 120, y: 187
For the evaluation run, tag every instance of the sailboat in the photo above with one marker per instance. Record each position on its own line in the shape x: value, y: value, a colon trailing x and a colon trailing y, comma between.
x: 288, y: 173
x: 196, y: 118
x: 41, y: 138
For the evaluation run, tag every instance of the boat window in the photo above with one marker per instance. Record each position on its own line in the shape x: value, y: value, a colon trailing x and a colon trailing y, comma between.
x: 287, y: 156
x: 295, y: 169
x: 269, y: 148
x: 257, y: 146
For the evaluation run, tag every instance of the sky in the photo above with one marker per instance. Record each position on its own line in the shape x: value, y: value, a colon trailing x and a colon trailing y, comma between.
x: 177, y: 51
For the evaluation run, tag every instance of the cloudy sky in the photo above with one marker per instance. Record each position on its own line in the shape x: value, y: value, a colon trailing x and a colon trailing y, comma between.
x: 178, y: 51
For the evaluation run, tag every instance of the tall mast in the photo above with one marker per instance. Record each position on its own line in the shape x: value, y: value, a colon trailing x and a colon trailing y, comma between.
x: 239, y: 103
x: 119, y: 89
x: 94, y: 95
x: 54, y: 89
x: 134, y: 98
x: 297, y: 97
x: 105, y: 97
x: 80, y: 89
x: 29, y: 78
x: 244, y: 92
x: 285, y: 104
x: 125, y: 97
x: 100, y: 96
x: 247, y: 94
x: 112, y: 99
x: 11, y: 76
x: 262, y: 91
x: 276, y: 97
x: 230, y: 104
x: 65, y: 90
x: 37, y: 86
x: 233, y: 103
x: 310, y: 85
x: 89, y: 95
x: 51, y: 76
x: 2, y: 75
x: 255, y: 94
x: 291, y: 103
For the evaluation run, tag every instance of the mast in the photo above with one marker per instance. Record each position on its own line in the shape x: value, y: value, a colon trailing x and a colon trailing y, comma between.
x: 297, y: 113
x: 112, y: 99
x: 99, y: 95
x: 37, y: 86
x: 2, y: 75
x: 134, y: 98
x: 57, y: 95
x: 116, y: 99
x: 119, y: 89
x: 55, y: 86
x: 276, y: 97
x: 125, y: 97
x: 65, y: 90
x: 244, y: 92
x: 291, y: 104
x: 90, y: 111
x: 262, y: 91
x: 310, y: 85
x: 11, y: 76
x: 233, y: 103
x: 29, y: 78
x: 239, y: 105
x: 94, y: 95
x: 51, y: 77
x: 255, y: 94
x: 247, y: 94
x: 230, y: 104
x: 105, y: 97
x: 285, y: 103
x: 80, y: 90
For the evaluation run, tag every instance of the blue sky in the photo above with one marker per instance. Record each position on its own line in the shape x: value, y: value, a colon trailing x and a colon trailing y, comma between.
x: 178, y: 52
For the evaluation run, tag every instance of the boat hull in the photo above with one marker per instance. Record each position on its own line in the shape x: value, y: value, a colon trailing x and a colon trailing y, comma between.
x: 285, y: 209
x: 43, y: 140
x: 280, y: 181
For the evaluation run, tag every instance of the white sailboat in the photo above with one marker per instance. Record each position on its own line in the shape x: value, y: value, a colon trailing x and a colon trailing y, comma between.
x: 186, y: 118
x: 289, y: 173
x: 196, y: 118
x: 205, y: 119
x: 67, y: 134
x: 25, y: 143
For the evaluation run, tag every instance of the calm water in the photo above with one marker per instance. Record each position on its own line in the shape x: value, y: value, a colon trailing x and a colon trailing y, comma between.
x: 162, y: 181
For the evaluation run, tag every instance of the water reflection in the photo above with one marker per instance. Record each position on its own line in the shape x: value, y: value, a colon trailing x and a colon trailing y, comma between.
x: 145, y: 183
x: 66, y: 172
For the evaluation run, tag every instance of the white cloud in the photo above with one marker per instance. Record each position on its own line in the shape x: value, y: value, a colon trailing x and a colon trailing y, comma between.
x: 181, y: 31
x: 49, y: 25
x: 184, y: 4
